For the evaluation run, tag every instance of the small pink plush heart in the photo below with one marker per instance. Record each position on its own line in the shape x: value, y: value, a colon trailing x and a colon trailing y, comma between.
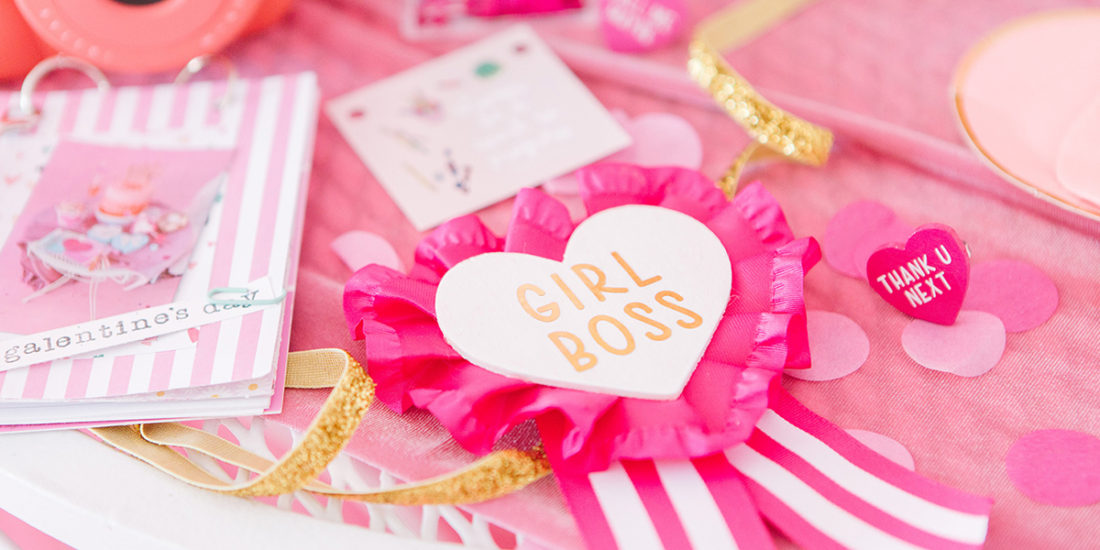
x: 928, y: 278
x: 641, y: 25
x: 75, y: 246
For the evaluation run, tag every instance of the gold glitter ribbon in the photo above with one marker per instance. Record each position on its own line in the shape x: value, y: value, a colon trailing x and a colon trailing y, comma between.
x: 775, y: 132
x: 494, y: 475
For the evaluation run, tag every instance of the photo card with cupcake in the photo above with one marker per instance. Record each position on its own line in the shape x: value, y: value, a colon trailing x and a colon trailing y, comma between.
x: 107, y: 229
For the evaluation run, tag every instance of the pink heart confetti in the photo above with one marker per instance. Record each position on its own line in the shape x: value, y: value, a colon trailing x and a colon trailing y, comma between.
x: 885, y: 446
x: 970, y: 347
x: 641, y: 25
x: 1058, y: 467
x: 193, y: 334
x: 1018, y: 293
x: 838, y: 347
x: 927, y: 279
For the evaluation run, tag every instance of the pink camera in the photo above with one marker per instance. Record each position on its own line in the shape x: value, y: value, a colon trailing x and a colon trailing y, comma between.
x: 134, y: 36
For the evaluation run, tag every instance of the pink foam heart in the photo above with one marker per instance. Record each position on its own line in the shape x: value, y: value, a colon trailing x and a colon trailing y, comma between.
x: 927, y: 279
x: 641, y: 25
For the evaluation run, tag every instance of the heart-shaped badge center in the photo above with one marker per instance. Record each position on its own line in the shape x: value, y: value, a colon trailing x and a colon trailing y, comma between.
x: 927, y: 279
x: 628, y: 311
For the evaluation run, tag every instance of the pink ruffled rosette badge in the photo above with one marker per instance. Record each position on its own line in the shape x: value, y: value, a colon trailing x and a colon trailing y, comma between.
x: 761, y: 330
x: 675, y: 457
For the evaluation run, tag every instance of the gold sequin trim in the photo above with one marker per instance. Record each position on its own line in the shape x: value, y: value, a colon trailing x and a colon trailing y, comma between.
x: 775, y: 132
x: 495, y: 475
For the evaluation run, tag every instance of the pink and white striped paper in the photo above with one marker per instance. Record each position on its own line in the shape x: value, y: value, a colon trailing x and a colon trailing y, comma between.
x: 254, y: 230
x: 806, y: 476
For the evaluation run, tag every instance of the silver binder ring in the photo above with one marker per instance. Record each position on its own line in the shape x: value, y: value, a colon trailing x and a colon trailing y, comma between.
x: 198, y: 63
x: 26, y: 110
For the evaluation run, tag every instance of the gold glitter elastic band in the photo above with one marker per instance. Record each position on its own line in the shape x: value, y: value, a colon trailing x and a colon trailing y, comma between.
x: 775, y: 132
x: 495, y: 475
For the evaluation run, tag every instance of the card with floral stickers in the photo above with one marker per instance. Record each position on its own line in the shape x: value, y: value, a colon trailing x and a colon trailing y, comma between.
x: 472, y: 127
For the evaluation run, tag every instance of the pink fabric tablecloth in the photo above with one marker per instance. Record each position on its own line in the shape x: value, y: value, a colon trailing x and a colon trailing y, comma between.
x: 877, y: 73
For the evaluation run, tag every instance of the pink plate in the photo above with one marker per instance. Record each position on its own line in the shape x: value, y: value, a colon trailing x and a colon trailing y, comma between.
x: 1017, y: 94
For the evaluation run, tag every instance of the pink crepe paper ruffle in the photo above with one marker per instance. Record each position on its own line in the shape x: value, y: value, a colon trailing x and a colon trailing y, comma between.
x: 762, y: 331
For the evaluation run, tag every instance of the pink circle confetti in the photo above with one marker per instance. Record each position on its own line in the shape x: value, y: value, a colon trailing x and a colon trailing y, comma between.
x: 896, y: 232
x: 359, y: 248
x: 1059, y: 467
x: 838, y: 347
x: 970, y: 347
x: 663, y: 139
x: 850, y: 226
x: 657, y: 139
x: 885, y: 446
x: 1018, y: 293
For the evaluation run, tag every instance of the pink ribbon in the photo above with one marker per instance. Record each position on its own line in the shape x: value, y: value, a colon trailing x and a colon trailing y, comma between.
x: 810, y: 479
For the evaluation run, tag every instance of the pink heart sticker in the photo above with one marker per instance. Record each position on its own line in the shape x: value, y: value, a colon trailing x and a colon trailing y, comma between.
x: 927, y: 279
x: 641, y: 25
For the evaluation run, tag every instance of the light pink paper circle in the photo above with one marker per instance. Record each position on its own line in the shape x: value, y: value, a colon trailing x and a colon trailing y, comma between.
x: 1059, y: 52
x: 1018, y: 293
x: 850, y: 226
x: 970, y: 347
x: 663, y: 139
x: 897, y: 232
x: 360, y: 248
x: 657, y: 139
x: 885, y: 446
x: 838, y: 347
x: 562, y: 185
x: 1059, y: 467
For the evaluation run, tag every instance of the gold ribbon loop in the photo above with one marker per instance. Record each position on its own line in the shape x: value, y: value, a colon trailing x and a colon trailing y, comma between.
x: 494, y: 475
x: 775, y: 132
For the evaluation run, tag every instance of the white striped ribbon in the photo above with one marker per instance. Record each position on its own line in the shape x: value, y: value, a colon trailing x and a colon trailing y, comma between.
x: 805, y: 476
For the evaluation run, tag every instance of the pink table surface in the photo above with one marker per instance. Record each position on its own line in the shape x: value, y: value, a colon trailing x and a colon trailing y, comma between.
x: 877, y: 73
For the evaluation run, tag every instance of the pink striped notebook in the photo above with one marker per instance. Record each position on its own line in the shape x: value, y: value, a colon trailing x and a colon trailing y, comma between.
x: 246, y: 146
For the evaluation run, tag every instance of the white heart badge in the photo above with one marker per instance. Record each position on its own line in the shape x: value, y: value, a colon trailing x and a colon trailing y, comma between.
x: 628, y: 311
